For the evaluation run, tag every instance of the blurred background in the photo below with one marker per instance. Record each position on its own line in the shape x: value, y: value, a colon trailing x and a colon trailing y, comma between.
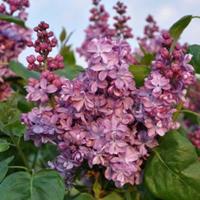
x: 73, y: 15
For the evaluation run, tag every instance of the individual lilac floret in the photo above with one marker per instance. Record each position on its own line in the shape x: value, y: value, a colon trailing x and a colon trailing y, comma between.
x: 157, y: 83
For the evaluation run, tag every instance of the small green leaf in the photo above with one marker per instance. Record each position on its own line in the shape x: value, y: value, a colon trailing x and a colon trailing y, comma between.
x: 173, y: 170
x: 68, y: 55
x: 44, y: 185
x: 4, y: 167
x: 178, y: 27
x: 140, y: 72
x: 194, y: 50
x: 4, y: 145
x: 147, y: 59
x: 63, y: 35
x: 12, y: 19
x: 97, y: 188
x: 22, y: 71
x: 70, y: 71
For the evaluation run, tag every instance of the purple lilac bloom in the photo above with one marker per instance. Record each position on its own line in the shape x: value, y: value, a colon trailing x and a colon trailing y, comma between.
x: 101, y: 117
x: 13, y: 40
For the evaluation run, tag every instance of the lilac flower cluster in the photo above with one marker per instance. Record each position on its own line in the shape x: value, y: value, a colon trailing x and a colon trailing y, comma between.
x: 121, y: 27
x: 43, y: 46
x: 151, y: 41
x: 99, y: 27
x: 164, y: 88
x: 100, y: 116
x: 15, y: 8
x: 13, y: 39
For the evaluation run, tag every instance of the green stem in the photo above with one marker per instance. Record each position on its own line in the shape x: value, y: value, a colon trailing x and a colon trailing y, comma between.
x: 21, y: 154
x: 35, y: 160
x: 128, y: 196
x: 197, y: 17
x: 137, y: 196
x: 191, y: 112
x: 19, y: 167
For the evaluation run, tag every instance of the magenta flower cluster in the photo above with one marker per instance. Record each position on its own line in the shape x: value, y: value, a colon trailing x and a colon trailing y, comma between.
x: 43, y: 46
x: 165, y: 88
x: 100, y: 116
x: 151, y: 41
x: 13, y: 39
x: 100, y: 28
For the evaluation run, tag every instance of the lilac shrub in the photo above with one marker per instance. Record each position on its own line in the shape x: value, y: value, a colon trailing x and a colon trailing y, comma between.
x: 101, y: 117
x: 13, y: 40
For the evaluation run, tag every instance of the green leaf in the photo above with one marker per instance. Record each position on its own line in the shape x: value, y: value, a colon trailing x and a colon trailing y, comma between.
x: 147, y: 59
x: 140, y: 72
x: 195, y: 51
x: 173, y: 171
x: 145, y: 194
x: 22, y: 71
x: 44, y: 185
x: 70, y: 71
x: 68, y: 55
x: 10, y: 123
x: 4, y: 167
x: 4, y: 145
x: 112, y: 196
x: 84, y: 196
x: 12, y: 19
x: 63, y: 35
x: 97, y: 188
x: 178, y: 27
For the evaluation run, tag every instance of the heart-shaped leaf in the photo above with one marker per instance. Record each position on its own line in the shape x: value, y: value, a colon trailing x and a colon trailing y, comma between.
x: 4, y: 167
x: 4, y: 145
x: 173, y: 171
x: 44, y: 185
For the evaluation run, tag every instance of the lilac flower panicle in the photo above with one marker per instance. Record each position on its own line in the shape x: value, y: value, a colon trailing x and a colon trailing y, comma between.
x: 43, y: 46
x: 101, y: 117
x: 13, y: 40
x: 121, y: 27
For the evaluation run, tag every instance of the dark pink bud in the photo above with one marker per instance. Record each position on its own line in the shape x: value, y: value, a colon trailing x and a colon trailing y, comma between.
x: 40, y: 58
x: 164, y: 53
x: 31, y: 59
